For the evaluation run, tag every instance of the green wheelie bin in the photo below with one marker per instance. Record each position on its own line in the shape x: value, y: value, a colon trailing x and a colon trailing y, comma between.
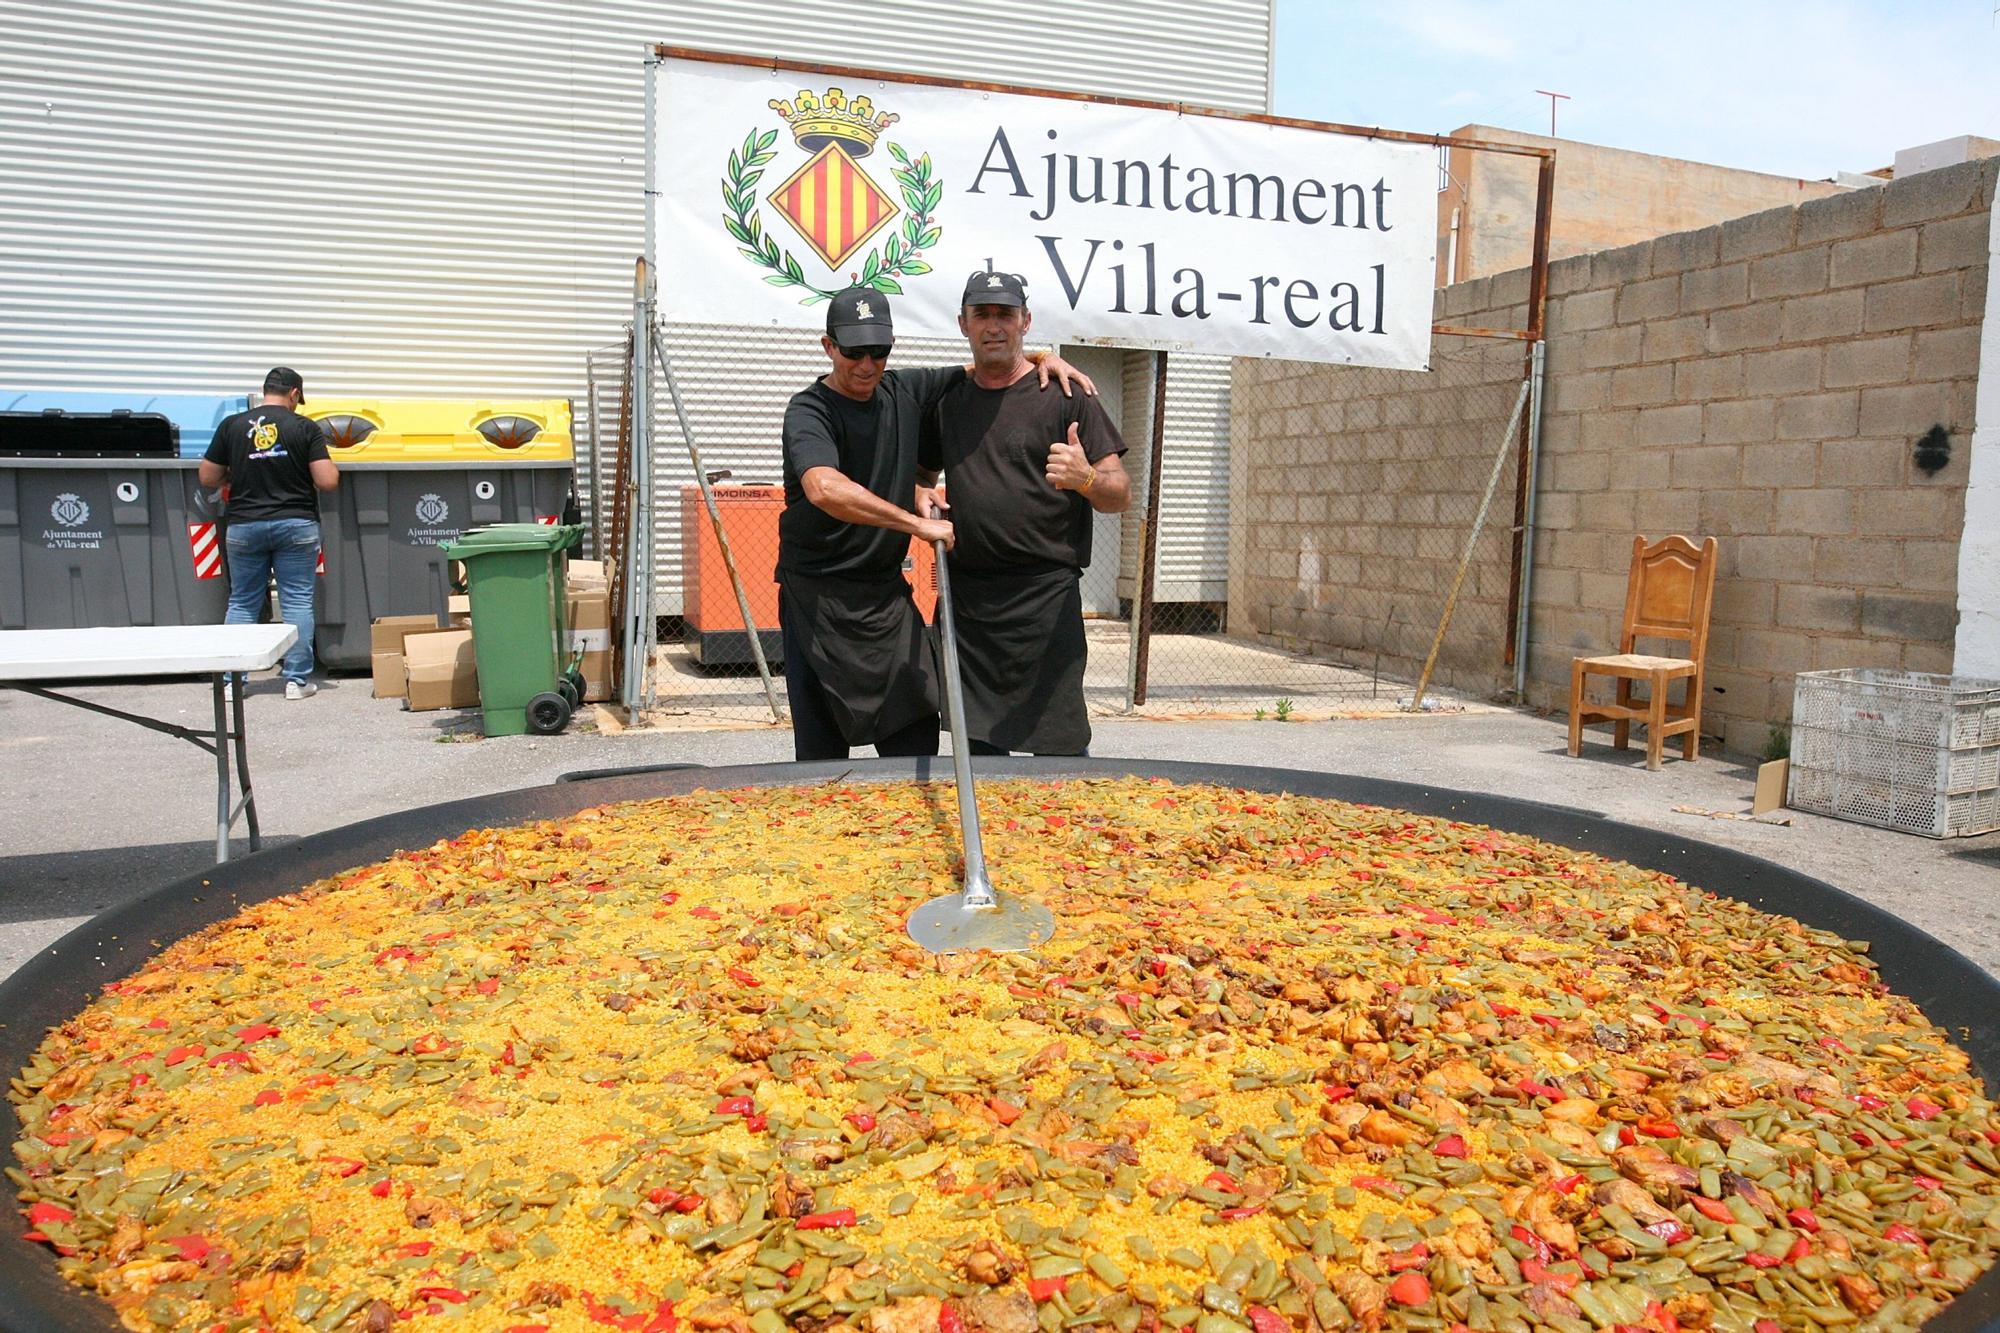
x: 514, y: 578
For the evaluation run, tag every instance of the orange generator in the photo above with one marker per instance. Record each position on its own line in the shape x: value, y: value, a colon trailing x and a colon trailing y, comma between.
x: 714, y: 623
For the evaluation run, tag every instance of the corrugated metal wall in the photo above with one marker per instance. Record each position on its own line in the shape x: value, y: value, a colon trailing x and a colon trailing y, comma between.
x: 440, y: 198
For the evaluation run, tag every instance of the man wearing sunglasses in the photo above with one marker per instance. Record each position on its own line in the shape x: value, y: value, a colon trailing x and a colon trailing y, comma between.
x: 858, y: 662
x: 1026, y: 473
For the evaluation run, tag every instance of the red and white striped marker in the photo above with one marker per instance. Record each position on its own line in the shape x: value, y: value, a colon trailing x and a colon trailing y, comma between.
x: 319, y: 567
x: 548, y: 520
x: 206, y: 550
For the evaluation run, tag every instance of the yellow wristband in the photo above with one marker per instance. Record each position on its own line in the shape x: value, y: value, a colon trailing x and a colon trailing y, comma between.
x: 1089, y: 481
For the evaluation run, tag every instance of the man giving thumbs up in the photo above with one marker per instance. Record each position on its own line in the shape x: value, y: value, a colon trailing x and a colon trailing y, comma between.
x: 1025, y: 469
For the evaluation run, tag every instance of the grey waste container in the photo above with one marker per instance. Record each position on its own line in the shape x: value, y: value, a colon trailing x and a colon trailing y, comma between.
x: 382, y: 530
x: 102, y: 523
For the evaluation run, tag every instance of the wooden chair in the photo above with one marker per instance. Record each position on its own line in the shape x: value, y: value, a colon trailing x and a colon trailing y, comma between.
x: 1667, y: 597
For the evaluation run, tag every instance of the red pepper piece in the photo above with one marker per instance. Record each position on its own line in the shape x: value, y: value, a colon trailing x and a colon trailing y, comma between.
x: 1451, y: 1145
x: 42, y: 1213
x: 1768, y: 1326
x: 525, y: 1328
x: 222, y: 1058
x: 450, y: 1294
x: 861, y: 1120
x: 1803, y: 1218
x: 343, y: 1166
x: 1410, y: 1289
x: 182, y: 1054
x: 1756, y: 1260
x: 1337, y: 1092
x: 193, y: 1247
x: 949, y: 1319
x: 828, y: 1221
x: 380, y: 1189
x: 753, y: 1122
x: 1927, y: 1182
x: 687, y: 1203
x: 1801, y: 1247
x: 1534, y: 1089
x: 735, y: 1106
x: 268, y: 1097
x: 415, y: 1249
x: 1237, y: 1214
x: 1222, y: 1180
x: 1920, y: 1109
x: 705, y: 913
x: 1537, y: 1270
x: 159, y: 1024
x: 1669, y: 1230
x: 1265, y: 1320
x: 1531, y: 1240
x: 1005, y: 1112
x: 1401, y: 1261
x: 664, y: 1319
x: 743, y: 978
x: 1627, y: 1135
x: 1159, y: 967
x: 487, y: 985
x: 1904, y: 1232
x: 1662, y: 1318
x: 1715, y: 1210
x: 1659, y: 1129
x: 255, y: 1032
x: 1868, y: 1101
x: 1042, y: 1288
x: 1565, y: 1184
x: 859, y: 1058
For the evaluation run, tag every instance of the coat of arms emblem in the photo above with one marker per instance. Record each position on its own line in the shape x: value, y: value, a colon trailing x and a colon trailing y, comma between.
x: 831, y: 202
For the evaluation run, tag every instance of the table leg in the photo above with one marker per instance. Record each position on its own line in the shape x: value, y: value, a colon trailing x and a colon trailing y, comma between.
x: 243, y: 775
x: 221, y: 769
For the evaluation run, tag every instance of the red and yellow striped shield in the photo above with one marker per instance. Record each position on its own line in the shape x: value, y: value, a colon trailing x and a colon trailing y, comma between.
x: 833, y: 205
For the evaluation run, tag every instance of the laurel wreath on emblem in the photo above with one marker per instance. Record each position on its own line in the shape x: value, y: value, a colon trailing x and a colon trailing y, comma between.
x: 901, y: 256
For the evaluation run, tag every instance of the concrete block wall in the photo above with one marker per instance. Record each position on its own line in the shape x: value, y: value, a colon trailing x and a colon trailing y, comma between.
x: 1763, y: 381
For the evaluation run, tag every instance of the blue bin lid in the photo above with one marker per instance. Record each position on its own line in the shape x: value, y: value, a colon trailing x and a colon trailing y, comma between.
x: 197, y: 414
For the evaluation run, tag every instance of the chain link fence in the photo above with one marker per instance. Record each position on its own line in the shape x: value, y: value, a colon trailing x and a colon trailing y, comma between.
x: 1306, y: 528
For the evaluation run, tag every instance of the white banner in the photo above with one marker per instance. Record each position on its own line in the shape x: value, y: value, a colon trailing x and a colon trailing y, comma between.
x: 1144, y: 227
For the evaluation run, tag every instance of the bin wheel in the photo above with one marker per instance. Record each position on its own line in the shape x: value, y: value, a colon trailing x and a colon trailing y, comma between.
x: 576, y: 681
x: 568, y: 690
x: 548, y: 713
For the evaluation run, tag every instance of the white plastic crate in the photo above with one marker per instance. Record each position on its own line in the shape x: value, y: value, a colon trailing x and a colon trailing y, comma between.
x: 1902, y: 750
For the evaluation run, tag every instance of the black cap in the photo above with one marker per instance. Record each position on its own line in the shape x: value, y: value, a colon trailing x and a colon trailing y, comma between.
x: 283, y: 379
x: 859, y: 317
x: 991, y: 287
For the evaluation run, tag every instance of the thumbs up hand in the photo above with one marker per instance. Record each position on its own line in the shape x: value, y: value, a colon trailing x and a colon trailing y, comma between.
x: 1069, y: 469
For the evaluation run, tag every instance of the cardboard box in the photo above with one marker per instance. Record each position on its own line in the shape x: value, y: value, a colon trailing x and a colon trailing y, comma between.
x: 458, y: 609
x: 588, y: 608
x: 596, y: 669
x: 390, y: 681
x: 385, y: 635
x: 586, y: 573
x: 441, y: 670
x: 385, y: 658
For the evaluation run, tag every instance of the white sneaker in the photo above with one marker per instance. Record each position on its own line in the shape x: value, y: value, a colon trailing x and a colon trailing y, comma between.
x: 300, y: 689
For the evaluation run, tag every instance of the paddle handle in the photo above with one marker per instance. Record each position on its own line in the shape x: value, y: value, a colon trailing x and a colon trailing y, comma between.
x: 978, y: 888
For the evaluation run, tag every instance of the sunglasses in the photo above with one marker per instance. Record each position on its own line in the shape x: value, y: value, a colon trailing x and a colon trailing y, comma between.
x: 872, y: 352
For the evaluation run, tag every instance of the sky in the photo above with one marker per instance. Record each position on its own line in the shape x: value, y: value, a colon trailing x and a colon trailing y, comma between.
x: 1797, y: 89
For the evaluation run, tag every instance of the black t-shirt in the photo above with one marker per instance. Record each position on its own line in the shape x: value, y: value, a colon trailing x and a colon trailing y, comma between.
x: 267, y: 451
x: 993, y: 447
x: 872, y: 443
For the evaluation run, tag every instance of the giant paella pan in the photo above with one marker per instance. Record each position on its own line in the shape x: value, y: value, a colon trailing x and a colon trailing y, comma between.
x: 653, y: 1052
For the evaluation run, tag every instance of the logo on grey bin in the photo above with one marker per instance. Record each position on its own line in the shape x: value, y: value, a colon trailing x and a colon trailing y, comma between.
x: 70, y: 510
x: 432, y: 509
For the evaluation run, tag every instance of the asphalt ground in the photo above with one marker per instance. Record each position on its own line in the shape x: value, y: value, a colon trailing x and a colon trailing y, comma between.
x: 94, y: 810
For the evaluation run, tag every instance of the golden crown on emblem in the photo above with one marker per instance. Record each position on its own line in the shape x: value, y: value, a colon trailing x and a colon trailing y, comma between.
x: 817, y: 121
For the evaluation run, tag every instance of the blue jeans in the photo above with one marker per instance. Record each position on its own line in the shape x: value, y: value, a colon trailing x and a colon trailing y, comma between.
x: 288, y: 548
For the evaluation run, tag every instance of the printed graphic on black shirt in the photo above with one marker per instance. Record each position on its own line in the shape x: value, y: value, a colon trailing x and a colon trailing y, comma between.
x: 269, y: 452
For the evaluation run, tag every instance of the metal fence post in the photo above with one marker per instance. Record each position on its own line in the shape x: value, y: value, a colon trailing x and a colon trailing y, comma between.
x: 1537, y: 363
x: 1142, y: 608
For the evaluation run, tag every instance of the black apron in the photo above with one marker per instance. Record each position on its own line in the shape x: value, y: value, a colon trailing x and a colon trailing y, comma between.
x: 868, y: 646
x: 1021, y: 653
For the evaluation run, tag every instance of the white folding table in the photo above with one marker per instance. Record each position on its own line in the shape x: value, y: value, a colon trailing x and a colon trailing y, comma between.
x: 29, y: 656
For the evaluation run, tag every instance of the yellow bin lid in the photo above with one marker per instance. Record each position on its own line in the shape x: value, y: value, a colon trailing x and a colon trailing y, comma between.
x: 389, y: 430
